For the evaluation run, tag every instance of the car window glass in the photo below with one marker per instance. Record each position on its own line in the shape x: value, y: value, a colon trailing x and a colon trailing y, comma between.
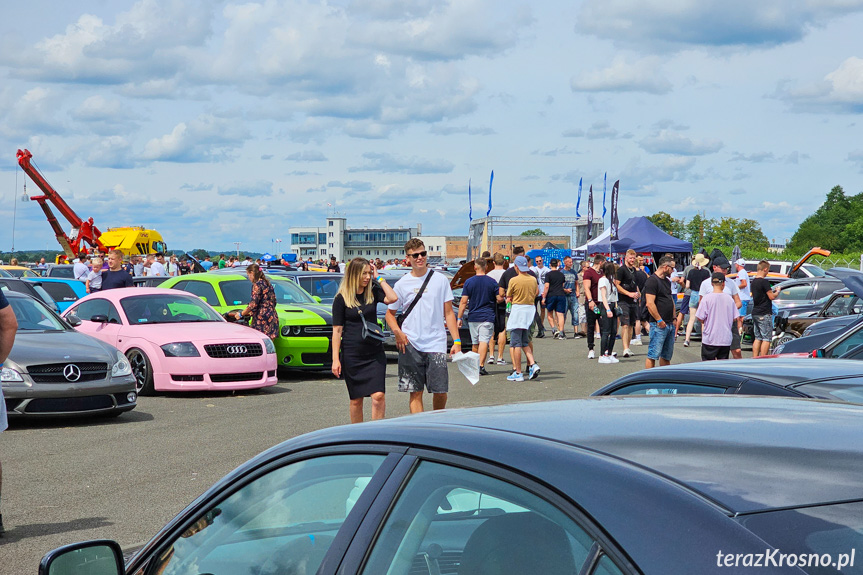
x: 794, y: 293
x: 666, y: 388
x: 34, y: 316
x: 451, y: 520
x: 203, y: 290
x: 92, y: 307
x: 846, y: 389
x: 171, y: 307
x: 61, y: 273
x: 841, y: 305
x: 283, y: 522
x: 290, y: 293
x: 45, y: 296
x: 852, y: 341
x: 824, y: 288
x: 606, y: 567
x: 60, y: 292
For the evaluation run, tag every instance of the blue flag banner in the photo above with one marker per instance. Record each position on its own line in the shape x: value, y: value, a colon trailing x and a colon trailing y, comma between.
x: 590, y: 213
x: 489, y: 193
x: 469, y: 203
x: 615, y: 223
x: 604, y: 182
x: 578, y: 202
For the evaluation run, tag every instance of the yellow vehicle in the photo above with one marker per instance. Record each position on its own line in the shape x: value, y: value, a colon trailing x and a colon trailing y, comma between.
x: 133, y: 240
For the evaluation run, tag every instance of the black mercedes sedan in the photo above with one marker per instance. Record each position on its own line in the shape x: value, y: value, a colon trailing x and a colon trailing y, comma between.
x: 601, y: 486
x: 833, y: 379
x: 54, y: 370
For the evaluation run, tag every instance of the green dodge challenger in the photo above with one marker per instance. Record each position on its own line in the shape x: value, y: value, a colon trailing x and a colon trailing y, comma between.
x: 305, y: 325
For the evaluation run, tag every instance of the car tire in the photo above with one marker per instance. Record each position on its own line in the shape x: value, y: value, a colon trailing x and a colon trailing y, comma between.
x: 142, y: 369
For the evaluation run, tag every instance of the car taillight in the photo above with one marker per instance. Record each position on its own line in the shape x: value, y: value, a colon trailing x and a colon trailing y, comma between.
x: 814, y: 353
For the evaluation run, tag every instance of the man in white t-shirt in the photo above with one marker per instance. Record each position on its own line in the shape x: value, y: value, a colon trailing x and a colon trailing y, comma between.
x: 158, y: 266
x: 539, y: 270
x: 745, y: 290
x: 421, y: 339
x: 722, y: 266
x: 81, y: 270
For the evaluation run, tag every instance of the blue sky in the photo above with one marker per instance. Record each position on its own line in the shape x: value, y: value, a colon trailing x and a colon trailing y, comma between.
x: 220, y: 121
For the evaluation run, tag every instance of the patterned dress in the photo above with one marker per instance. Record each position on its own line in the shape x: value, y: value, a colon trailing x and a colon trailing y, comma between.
x: 263, y: 309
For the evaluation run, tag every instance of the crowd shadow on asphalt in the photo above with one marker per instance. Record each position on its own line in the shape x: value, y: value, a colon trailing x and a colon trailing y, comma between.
x: 261, y: 391
x: 18, y: 532
x: 50, y: 422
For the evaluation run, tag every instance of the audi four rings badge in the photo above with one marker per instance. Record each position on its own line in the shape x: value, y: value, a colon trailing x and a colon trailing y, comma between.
x: 237, y: 349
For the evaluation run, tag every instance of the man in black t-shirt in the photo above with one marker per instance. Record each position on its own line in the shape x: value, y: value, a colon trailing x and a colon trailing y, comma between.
x: 554, y: 298
x: 762, y: 310
x: 627, y: 303
x: 115, y: 276
x: 660, y: 308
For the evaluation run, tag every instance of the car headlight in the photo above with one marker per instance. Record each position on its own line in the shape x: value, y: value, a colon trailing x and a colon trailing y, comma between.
x: 9, y: 375
x: 269, y: 345
x: 180, y: 349
x: 121, y: 366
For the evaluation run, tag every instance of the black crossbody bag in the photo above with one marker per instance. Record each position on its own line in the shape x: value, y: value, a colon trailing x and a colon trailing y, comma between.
x: 371, y: 331
x: 400, y: 319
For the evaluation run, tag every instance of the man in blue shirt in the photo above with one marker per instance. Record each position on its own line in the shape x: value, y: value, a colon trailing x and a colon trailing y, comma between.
x: 479, y: 297
x: 115, y: 276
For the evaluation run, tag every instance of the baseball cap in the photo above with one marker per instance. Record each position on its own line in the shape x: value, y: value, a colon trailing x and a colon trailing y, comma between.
x: 521, y: 264
x: 740, y: 262
x: 717, y: 277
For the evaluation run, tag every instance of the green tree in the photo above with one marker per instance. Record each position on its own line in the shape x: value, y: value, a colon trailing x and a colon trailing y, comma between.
x: 200, y: 253
x: 668, y: 224
x: 534, y: 232
x: 746, y: 233
x: 699, y: 231
x: 833, y: 226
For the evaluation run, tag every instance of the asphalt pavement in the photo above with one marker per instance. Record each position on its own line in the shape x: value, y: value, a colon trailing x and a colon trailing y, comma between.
x: 73, y: 480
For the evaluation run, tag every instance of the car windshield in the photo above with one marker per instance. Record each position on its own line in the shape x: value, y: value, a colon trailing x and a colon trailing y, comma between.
x: 167, y: 308
x: 5, y: 274
x: 239, y: 292
x: 826, y: 530
x: 814, y: 270
x: 34, y: 316
x: 795, y: 293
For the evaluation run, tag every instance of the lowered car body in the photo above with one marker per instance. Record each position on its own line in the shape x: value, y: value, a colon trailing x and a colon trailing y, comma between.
x: 54, y: 370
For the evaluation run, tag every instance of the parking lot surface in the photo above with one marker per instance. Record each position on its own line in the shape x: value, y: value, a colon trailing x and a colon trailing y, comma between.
x: 72, y: 480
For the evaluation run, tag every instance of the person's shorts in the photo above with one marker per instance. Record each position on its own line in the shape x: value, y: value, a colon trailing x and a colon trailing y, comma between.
x: 499, y: 320
x: 762, y: 326
x: 539, y: 301
x: 693, y: 300
x: 519, y: 338
x: 582, y: 315
x: 556, y: 303
x: 735, y: 337
x: 711, y: 352
x: 684, y: 305
x: 628, y: 312
x: 661, y: 343
x: 481, y: 331
x: 744, y: 307
x: 420, y: 370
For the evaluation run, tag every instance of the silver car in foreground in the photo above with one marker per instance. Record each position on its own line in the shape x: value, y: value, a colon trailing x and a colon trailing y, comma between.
x: 54, y: 370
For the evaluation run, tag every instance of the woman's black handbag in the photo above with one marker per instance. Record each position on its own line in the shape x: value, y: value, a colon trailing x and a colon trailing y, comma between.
x: 371, y: 331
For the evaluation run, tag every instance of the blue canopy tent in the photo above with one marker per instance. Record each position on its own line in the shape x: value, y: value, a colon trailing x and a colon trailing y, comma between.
x: 641, y: 235
x: 268, y: 257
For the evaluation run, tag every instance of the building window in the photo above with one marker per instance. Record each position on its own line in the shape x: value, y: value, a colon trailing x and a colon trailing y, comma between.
x: 331, y: 245
x: 331, y: 225
x: 332, y: 234
x: 322, y: 238
x: 368, y: 252
x: 323, y: 252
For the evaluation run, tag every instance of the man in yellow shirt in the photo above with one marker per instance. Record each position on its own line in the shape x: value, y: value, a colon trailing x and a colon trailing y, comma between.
x: 521, y: 293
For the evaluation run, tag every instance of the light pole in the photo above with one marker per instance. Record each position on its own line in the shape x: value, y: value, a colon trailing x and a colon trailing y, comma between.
x: 238, y: 248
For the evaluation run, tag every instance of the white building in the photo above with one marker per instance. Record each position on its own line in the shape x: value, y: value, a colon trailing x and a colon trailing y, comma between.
x: 335, y: 238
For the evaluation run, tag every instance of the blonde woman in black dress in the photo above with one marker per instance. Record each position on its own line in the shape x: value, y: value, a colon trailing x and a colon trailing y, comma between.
x: 362, y: 361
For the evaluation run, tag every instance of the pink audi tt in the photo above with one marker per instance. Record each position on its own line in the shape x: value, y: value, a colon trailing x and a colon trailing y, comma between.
x: 175, y: 341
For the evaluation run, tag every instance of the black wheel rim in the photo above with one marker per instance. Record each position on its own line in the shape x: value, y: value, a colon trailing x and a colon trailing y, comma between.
x: 139, y: 368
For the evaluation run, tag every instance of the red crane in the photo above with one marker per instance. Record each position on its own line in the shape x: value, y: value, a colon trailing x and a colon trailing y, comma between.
x: 82, y: 231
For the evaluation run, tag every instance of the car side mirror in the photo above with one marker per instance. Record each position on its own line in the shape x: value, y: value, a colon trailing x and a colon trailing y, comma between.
x: 316, y: 298
x: 73, y: 320
x: 100, y: 557
x: 99, y: 318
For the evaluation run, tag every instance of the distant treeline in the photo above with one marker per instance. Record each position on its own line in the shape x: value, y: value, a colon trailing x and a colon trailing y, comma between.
x: 51, y: 255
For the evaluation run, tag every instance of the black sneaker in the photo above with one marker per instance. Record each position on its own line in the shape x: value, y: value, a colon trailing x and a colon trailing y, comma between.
x: 482, y: 371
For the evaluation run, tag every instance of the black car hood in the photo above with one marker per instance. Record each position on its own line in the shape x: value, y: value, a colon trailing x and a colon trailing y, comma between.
x: 34, y: 348
x: 853, y: 279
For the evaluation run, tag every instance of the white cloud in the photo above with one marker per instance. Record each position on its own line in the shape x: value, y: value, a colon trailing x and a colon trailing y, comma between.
x: 205, y: 139
x: 389, y: 163
x: 643, y: 75
x: 667, y: 142
x: 659, y: 24
x: 307, y: 156
x: 840, y: 91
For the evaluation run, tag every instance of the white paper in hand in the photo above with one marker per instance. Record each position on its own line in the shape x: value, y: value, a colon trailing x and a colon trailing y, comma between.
x: 468, y: 365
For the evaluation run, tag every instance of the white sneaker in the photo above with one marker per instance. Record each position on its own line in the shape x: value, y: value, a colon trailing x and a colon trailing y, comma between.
x: 490, y: 360
x: 604, y: 359
x: 613, y: 359
x: 627, y: 353
x: 613, y: 354
x: 636, y: 341
x: 591, y: 355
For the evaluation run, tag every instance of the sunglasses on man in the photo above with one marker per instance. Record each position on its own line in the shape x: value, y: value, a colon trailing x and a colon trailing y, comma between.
x: 416, y: 255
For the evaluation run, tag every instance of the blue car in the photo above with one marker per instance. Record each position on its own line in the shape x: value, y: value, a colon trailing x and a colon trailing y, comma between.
x: 64, y: 291
x: 600, y: 486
